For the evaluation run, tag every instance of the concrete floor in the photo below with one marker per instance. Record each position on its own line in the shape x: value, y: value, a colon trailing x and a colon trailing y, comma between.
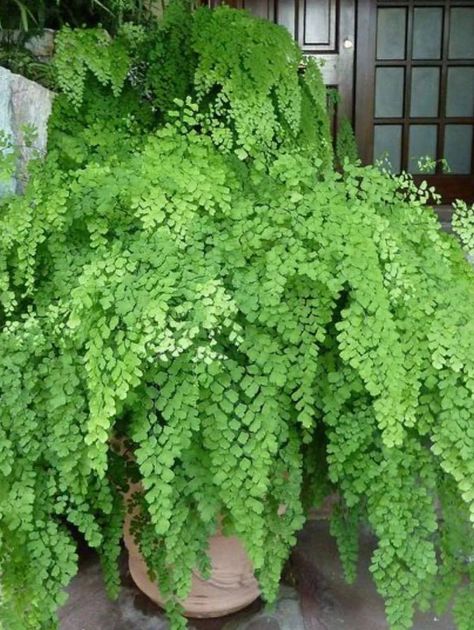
x: 323, y: 600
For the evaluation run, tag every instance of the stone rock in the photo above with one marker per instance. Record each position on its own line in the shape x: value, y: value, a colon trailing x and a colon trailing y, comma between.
x: 24, y: 105
x: 6, y: 187
x: 285, y: 614
x: 42, y: 46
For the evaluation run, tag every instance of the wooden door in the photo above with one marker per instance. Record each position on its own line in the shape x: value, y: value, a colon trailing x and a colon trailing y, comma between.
x: 415, y: 89
x: 324, y: 29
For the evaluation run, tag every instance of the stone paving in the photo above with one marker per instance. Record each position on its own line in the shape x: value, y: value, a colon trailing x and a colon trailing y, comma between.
x: 317, y: 599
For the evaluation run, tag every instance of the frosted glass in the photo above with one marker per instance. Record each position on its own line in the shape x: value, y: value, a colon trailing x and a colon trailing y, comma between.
x: 391, y: 33
x: 460, y: 97
x: 422, y: 144
x: 427, y: 30
x: 389, y: 87
x: 461, y: 33
x: 458, y: 148
x: 424, y: 91
x: 388, y: 145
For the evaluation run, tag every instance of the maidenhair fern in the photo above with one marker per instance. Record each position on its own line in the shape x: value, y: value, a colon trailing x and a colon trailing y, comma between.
x: 463, y: 224
x: 346, y: 147
x: 198, y: 287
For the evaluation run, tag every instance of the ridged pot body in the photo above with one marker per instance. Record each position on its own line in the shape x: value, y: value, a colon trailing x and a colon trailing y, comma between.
x: 231, y: 586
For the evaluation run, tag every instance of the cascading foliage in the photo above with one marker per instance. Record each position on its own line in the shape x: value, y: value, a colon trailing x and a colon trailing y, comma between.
x: 190, y: 280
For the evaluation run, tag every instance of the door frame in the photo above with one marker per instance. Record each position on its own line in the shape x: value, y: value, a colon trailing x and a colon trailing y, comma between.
x: 365, y: 78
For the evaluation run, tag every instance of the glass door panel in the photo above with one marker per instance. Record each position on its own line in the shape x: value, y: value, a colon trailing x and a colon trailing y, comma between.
x: 420, y: 113
x: 458, y: 148
x: 461, y: 33
x: 460, y: 96
x: 424, y: 92
x: 391, y: 33
x: 422, y: 148
x: 427, y: 32
x: 389, y: 91
x: 387, y: 146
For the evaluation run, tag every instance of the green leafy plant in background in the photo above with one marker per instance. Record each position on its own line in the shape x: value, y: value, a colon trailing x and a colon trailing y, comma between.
x: 21, y: 21
x: 34, y: 15
x: 20, y: 61
x: 199, y: 285
x: 16, y: 57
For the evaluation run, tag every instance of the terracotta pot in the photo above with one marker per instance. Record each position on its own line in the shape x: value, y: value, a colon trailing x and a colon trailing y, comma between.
x: 231, y: 586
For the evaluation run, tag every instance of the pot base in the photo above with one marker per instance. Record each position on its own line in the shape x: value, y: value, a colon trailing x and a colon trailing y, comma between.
x: 231, y: 586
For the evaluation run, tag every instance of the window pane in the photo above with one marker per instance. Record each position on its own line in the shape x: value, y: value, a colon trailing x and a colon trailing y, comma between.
x: 389, y: 84
x: 461, y: 33
x: 427, y: 21
x: 424, y: 91
x: 458, y: 148
x: 460, y: 98
x: 422, y: 146
x: 391, y: 29
x: 388, y: 146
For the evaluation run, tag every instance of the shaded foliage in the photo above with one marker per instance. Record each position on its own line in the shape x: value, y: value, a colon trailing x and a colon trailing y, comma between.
x: 36, y: 15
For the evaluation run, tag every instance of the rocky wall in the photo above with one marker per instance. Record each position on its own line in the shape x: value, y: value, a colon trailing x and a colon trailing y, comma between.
x: 24, y: 105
